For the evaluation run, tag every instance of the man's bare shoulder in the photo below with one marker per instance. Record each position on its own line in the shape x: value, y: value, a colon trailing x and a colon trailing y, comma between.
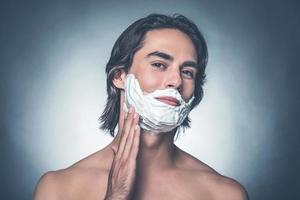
x: 228, y: 188
x: 209, y: 182
x: 84, y: 177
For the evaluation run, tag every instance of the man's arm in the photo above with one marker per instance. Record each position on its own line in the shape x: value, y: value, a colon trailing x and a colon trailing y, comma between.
x: 230, y: 189
x: 46, y: 188
x: 123, y: 170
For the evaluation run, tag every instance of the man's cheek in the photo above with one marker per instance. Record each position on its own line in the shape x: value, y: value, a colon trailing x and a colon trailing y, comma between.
x: 150, y: 83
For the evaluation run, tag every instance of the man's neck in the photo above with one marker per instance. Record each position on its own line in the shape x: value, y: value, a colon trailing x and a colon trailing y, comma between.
x: 156, y: 151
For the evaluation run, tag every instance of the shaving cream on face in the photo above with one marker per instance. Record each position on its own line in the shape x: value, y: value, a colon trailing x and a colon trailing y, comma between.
x: 156, y: 116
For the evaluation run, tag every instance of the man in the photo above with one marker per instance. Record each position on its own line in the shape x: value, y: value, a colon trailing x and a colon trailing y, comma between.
x: 154, y: 78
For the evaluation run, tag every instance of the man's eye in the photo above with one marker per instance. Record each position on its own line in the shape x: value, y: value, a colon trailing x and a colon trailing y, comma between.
x: 159, y: 65
x: 188, y: 73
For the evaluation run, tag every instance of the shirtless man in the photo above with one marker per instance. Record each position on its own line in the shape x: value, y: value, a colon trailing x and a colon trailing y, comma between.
x: 161, y: 52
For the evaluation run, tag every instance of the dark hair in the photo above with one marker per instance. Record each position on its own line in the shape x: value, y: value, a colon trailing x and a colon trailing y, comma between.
x: 129, y: 42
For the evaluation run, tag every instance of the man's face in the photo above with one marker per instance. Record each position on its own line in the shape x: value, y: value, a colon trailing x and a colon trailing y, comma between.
x: 167, y: 59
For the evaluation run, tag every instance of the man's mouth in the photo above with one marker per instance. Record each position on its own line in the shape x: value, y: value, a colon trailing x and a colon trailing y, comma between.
x: 168, y: 100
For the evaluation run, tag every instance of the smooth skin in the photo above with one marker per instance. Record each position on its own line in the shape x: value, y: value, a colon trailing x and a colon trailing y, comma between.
x: 138, y: 165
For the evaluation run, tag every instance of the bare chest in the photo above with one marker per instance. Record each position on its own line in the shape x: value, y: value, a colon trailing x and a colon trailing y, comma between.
x: 148, y: 188
x: 166, y: 188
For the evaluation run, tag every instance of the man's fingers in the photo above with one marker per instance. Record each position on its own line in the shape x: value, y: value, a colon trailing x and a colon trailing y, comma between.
x: 130, y: 138
x: 122, y: 172
x: 136, y: 142
x: 125, y: 131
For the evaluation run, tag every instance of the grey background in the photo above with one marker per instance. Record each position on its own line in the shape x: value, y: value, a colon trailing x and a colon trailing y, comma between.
x: 53, y: 55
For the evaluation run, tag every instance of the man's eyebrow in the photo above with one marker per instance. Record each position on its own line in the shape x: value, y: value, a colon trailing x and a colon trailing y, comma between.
x: 161, y: 55
x: 189, y: 64
x: 171, y: 58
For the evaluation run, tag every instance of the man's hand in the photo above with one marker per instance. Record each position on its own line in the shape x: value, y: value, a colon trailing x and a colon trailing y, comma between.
x: 123, y: 170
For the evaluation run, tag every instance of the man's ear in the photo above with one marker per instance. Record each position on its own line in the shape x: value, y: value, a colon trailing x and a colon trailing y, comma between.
x: 119, y: 79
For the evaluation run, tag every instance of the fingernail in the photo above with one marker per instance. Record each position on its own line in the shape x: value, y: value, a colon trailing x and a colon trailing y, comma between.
x: 136, y: 127
x: 135, y: 115
x: 130, y: 110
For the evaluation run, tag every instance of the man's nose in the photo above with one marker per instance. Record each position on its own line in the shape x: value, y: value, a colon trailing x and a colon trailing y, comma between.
x: 173, y: 79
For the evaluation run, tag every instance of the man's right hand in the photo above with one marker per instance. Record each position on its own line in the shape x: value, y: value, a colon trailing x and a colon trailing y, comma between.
x: 123, y: 170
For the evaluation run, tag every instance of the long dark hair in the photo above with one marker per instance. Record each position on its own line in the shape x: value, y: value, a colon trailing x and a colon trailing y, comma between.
x: 129, y: 42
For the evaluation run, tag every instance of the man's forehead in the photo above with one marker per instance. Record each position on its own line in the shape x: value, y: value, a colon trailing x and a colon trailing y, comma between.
x: 163, y: 33
x: 169, y: 41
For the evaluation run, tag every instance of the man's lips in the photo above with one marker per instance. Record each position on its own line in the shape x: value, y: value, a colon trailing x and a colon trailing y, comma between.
x: 168, y: 100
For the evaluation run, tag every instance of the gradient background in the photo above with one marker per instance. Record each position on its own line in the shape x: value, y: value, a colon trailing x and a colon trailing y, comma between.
x: 53, y: 55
